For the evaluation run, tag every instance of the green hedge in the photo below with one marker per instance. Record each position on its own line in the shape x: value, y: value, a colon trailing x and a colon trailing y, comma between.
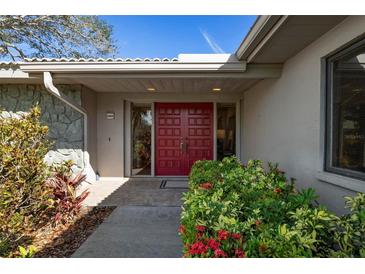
x: 232, y: 210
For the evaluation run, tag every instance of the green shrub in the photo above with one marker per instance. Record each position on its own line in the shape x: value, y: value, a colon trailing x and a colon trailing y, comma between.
x: 32, y: 194
x: 232, y: 210
x: 24, y: 198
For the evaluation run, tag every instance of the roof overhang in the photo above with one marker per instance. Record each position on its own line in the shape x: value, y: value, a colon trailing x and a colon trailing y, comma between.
x: 200, y: 63
x: 189, y: 73
x: 274, y: 39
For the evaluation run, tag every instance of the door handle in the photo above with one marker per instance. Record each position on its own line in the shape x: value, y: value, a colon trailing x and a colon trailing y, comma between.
x: 184, y: 145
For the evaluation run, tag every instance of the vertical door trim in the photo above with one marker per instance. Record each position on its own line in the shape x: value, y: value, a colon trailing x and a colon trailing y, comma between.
x: 127, y: 138
x: 215, y: 130
x: 238, y: 130
x: 123, y: 137
x: 153, y: 140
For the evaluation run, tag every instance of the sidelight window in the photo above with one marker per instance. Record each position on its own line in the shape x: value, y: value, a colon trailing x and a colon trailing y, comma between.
x: 226, y: 130
x: 141, y: 139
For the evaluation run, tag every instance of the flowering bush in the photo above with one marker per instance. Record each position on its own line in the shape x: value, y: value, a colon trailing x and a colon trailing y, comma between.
x: 240, y: 211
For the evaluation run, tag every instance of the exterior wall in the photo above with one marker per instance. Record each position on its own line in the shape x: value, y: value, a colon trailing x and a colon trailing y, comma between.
x: 282, y: 117
x: 113, y: 142
x: 89, y: 102
x: 65, y: 124
x: 110, y: 135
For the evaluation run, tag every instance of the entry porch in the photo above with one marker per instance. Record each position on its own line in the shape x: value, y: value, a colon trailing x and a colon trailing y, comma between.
x: 154, y: 118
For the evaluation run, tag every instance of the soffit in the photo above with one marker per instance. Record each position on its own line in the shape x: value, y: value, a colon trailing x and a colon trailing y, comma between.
x: 290, y: 35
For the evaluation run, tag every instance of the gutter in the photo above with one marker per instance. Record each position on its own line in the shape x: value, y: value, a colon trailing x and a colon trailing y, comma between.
x: 133, y: 67
x: 50, y: 87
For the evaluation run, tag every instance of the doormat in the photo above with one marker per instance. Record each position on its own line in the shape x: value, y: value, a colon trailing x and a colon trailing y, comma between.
x: 174, y: 184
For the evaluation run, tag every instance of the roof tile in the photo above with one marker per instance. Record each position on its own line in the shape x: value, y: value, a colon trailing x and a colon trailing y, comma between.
x: 99, y: 60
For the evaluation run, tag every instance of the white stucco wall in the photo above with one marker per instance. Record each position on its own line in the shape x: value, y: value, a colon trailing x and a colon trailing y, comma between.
x: 282, y: 117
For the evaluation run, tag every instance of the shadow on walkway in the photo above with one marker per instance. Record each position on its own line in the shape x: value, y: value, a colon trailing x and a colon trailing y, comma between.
x: 142, y: 192
x: 144, y: 224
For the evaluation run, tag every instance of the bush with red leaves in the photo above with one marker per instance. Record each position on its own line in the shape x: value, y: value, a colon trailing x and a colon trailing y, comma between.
x: 64, y: 185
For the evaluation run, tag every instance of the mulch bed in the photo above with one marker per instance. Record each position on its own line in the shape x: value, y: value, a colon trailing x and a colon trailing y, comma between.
x: 63, y: 240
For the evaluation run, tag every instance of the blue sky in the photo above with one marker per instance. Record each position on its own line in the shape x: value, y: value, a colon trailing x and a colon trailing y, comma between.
x: 167, y: 36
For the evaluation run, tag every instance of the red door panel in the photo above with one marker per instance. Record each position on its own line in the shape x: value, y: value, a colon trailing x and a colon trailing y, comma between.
x: 199, y: 133
x: 168, y: 134
x: 184, y: 134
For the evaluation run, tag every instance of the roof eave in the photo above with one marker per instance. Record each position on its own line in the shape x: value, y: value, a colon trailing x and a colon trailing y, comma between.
x: 258, y: 32
x: 65, y: 67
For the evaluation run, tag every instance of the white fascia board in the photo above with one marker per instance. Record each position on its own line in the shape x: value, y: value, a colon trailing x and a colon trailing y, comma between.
x: 258, y: 32
x: 133, y: 67
x: 253, y: 71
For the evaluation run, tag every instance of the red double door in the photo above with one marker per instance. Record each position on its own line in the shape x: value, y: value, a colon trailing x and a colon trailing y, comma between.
x: 184, y: 134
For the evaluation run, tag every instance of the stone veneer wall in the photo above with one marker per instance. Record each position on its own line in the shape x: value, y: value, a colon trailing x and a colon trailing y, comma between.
x: 66, y: 125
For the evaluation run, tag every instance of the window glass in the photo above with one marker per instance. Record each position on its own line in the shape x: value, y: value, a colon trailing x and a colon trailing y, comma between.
x: 226, y: 130
x: 348, y: 112
x: 141, y: 139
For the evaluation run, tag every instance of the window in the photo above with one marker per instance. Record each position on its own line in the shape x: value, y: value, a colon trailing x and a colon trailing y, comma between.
x: 226, y: 130
x: 345, y: 118
x: 141, y: 139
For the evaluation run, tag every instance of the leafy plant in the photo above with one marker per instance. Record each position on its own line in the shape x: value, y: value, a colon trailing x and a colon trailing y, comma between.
x: 27, y: 252
x: 64, y: 185
x: 32, y: 194
x: 350, y: 235
x: 24, y: 198
x: 233, y: 210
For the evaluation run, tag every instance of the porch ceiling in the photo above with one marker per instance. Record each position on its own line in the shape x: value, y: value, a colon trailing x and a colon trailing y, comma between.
x: 167, y: 85
x: 172, y: 81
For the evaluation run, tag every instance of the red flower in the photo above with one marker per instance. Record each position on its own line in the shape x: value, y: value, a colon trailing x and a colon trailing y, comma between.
x: 239, y: 253
x: 213, y: 244
x: 258, y: 222
x: 206, y: 185
x: 200, y: 228
x: 277, y: 190
x: 236, y: 236
x: 219, y: 253
x: 182, y: 229
x: 198, y: 248
x: 223, y: 235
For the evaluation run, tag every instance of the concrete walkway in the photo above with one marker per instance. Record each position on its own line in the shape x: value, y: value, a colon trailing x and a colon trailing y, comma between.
x: 144, y: 224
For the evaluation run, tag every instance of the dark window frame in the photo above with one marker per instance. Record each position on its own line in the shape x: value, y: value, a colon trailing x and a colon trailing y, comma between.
x: 328, y: 74
x: 234, y: 106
